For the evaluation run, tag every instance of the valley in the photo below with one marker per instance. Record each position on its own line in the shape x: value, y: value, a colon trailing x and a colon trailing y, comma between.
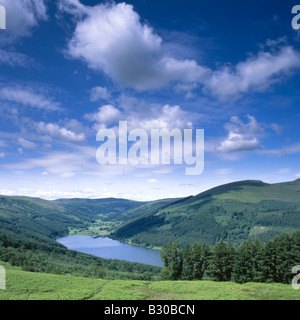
x: 228, y: 215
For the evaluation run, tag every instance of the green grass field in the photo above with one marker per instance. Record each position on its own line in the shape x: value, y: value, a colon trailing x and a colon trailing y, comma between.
x: 21, y: 285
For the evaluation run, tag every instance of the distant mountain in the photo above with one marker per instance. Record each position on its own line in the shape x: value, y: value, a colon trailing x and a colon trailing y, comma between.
x: 108, y: 208
x: 34, y: 218
x: 45, y: 220
x: 232, y: 212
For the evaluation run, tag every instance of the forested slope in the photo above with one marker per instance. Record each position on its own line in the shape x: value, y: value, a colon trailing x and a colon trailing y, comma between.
x: 232, y: 212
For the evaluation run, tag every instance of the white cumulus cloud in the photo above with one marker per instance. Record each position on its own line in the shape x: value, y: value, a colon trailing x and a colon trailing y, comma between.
x: 152, y: 117
x: 28, y: 97
x: 21, y: 17
x: 105, y: 115
x: 257, y: 73
x: 98, y: 93
x: 111, y: 38
x: 241, y: 136
x: 62, y: 133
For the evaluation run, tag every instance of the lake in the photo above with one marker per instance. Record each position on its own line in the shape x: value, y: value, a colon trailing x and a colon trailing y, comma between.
x: 111, y: 249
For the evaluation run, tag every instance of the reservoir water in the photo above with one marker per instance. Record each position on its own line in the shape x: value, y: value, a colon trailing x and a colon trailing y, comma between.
x: 111, y: 249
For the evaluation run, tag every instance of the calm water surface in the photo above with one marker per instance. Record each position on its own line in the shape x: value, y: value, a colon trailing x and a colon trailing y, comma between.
x: 111, y: 249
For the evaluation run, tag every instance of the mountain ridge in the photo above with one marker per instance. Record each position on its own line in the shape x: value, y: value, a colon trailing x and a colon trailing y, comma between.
x: 232, y: 212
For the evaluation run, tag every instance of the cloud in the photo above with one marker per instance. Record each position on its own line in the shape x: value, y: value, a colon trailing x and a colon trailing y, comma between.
x: 105, y: 115
x: 100, y: 93
x: 147, y: 117
x: 167, y: 117
x: 14, y: 59
x: 187, y: 89
x: 223, y: 171
x: 152, y: 180
x: 26, y: 144
x: 28, y: 97
x: 278, y: 129
x: 2, y: 155
x: 286, y: 150
x: 283, y: 171
x: 22, y: 16
x: 62, y: 133
x: 237, y: 142
x: 79, y: 160
x: 241, y: 136
x: 2, y: 143
x: 150, y: 117
x: 63, y: 163
x: 257, y: 73
x: 111, y: 38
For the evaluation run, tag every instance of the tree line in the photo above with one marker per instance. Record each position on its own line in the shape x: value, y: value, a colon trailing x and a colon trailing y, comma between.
x: 252, y: 261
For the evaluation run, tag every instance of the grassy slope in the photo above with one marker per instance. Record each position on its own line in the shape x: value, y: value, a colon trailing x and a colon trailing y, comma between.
x: 21, y: 285
x: 229, y: 212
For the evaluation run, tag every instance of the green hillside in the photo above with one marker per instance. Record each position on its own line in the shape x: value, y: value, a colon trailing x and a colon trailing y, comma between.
x: 104, y: 216
x: 112, y: 207
x: 41, y: 219
x: 36, y: 218
x: 29, y: 228
x: 151, y: 206
x: 21, y: 285
x: 232, y: 212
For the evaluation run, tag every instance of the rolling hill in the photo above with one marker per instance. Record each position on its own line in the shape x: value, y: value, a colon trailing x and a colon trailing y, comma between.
x: 41, y: 219
x: 107, y: 214
x: 34, y: 218
x: 112, y: 207
x: 232, y: 212
x: 29, y: 228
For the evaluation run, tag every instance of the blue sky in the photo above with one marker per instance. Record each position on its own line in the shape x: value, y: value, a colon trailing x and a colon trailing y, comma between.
x: 69, y: 68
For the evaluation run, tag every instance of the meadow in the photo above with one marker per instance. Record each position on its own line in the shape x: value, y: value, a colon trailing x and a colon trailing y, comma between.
x: 23, y: 285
